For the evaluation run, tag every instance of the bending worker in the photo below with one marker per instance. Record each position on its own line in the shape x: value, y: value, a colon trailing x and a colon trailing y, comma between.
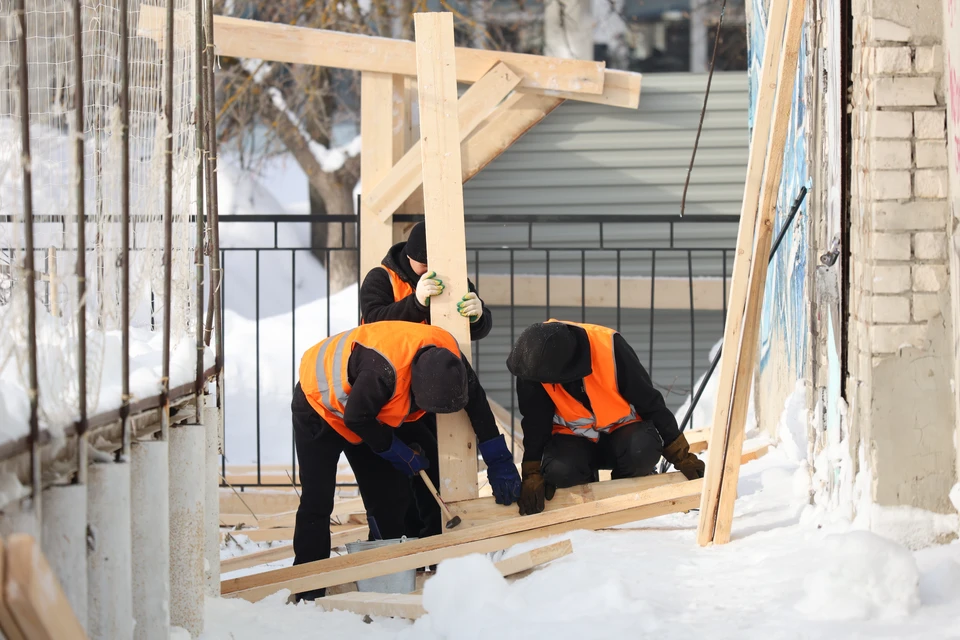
x: 401, y: 288
x: 361, y: 392
x: 588, y: 404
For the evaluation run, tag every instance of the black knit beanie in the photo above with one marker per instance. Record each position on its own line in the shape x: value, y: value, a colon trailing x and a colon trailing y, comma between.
x: 547, y: 352
x: 439, y: 382
x: 416, y: 248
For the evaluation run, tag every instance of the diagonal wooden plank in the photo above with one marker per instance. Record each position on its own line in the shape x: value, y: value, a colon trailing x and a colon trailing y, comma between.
x: 749, y: 343
x: 446, y: 238
x: 275, y: 42
x: 474, y: 106
x: 518, y: 114
x: 309, y: 575
x: 741, y: 269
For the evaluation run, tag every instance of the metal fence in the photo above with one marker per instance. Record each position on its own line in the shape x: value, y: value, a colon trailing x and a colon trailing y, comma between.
x: 663, y: 281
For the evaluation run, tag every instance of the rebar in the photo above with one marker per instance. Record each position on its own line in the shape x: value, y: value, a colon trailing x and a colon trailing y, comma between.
x: 198, y: 251
x: 125, y: 224
x: 28, y: 265
x: 214, y: 221
x: 80, y: 127
x: 167, y: 221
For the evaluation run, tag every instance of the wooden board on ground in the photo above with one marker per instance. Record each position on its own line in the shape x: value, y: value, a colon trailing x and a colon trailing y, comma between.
x: 750, y: 336
x: 274, y: 554
x: 8, y: 624
x: 741, y: 269
x: 258, y: 501
x: 479, y: 539
x: 33, y: 595
x: 446, y: 238
x: 482, y: 511
x: 410, y: 605
x: 340, y: 534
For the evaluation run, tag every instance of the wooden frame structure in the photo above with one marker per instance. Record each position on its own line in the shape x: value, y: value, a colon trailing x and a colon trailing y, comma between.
x: 511, y: 93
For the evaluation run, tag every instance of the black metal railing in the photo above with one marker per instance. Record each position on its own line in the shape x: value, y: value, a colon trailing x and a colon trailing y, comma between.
x: 526, y: 268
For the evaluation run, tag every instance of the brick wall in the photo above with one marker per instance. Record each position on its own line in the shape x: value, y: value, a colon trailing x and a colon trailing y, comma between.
x: 899, y: 286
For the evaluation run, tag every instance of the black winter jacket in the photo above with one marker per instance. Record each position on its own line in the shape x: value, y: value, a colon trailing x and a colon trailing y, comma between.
x: 377, y: 303
x: 633, y: 384
x: 373, y: 381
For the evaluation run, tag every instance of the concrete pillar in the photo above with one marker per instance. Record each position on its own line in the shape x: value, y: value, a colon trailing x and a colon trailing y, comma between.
x: 187, y: 540
x: 109, y: 573
x: 211, y: 425
x: 150, y: 488
x: 64, y: 542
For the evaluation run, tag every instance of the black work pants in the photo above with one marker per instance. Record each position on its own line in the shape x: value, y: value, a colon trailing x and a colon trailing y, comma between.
x: 386, y: 492
x: 630, y: 451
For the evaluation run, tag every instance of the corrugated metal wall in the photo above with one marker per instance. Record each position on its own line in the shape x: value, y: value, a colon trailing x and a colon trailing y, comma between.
x: 589, y: 159
x: 586, y: 158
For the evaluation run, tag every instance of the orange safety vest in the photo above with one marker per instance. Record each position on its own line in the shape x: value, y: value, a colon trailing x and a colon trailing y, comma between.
x: 401, y: 288
x: 610, y: 410
x: 323, y: 369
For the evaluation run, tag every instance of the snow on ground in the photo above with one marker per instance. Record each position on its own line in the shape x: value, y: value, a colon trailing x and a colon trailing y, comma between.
x: 777, y: 578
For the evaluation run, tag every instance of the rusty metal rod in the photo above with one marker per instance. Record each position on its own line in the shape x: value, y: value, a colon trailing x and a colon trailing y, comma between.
x: 167, y: 221
x: 79, y: 127
x: 28, y: 265
x: 198, y: 251
x: 125, y: 226
x: 215, y: 224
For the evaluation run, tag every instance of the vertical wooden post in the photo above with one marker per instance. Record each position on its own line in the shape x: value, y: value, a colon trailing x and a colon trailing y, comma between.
x: 376, y: 160
x: 741, y: 269
x: 446, y: 239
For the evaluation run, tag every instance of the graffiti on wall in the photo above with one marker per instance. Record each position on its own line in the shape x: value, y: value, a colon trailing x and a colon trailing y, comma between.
x: 783, y: 327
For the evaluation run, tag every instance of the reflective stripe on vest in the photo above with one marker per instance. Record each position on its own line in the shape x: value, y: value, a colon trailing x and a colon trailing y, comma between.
x: 324, y: 382
x: 608, y: 408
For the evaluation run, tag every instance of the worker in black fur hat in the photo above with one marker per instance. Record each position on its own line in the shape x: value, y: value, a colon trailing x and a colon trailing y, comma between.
x: 401, y: 288
x: 588, y: 404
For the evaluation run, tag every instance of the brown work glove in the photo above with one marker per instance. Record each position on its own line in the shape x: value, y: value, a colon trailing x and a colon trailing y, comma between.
x: 678, y: 454
x: 534, y: 490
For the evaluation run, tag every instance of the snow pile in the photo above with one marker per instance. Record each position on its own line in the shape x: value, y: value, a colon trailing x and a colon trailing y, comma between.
x: 940, y: 584
x: 792, y: 428
x: 861, y: 575
x: 955, y: 496
x: 912, y: 527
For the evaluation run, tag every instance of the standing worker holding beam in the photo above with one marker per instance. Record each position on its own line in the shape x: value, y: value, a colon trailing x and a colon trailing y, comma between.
x: 588, y: 404
x: 400, y: 289
x: 361, y: 393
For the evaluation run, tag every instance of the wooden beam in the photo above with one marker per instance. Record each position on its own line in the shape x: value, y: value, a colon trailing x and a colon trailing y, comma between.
x: 376, y: 160
x: 33, y: 594
x: 479, y: 539
x: 504, y: 423
x: 387, y: 605
x: 483, y: 511
x: 518, y: 114
x: 749, y: 344
x: 473, y: 107
x: 260, y: 502
x: 741, y: 268
x: 8, y: 625
x: 698, y: 439
x: 446, y: 239
x: 341, y: 534
x: 534, y: 558
x: 300, y: 45
x: 274, y: 554
x: 620, y: 89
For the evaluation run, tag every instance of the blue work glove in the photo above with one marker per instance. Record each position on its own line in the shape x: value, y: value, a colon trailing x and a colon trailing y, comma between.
x: 501, y: 472
x: 403, y: 458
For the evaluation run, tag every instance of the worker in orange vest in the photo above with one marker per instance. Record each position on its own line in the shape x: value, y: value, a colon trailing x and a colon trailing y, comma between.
x: 361, y: 393
x: 588, y: 404
x: 401, y: 288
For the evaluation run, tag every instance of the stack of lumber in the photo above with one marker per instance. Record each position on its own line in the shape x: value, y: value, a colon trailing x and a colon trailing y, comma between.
x: 757, y: 216
x: 33, y: 606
